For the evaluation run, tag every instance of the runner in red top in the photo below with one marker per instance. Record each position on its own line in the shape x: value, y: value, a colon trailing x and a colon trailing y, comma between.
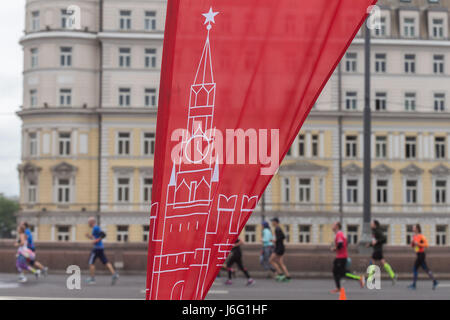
x: 341, y: 261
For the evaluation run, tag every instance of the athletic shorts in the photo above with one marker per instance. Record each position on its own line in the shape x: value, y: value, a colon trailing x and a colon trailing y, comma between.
x: 377, y: 255
x: 279, y: 251
x: 97, y: 253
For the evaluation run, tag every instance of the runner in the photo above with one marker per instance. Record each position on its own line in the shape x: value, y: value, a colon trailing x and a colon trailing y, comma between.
x: 24, y: 256
x: 30, y: 245
x: 236, y: 257
x: 98, y: 252
x: 276, y: 259
x: 377, y: 243
x: 267, y: 248
x: 341, y: 261
x: 420, y: 243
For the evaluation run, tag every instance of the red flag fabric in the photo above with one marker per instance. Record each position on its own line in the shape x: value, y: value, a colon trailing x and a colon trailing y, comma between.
x: 238, y: 80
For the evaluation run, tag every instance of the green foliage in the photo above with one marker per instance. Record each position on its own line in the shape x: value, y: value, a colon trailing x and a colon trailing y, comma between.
x: 8, y: 208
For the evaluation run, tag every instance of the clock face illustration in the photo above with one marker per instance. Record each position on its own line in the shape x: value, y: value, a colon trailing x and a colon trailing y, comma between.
x: 197, y: 148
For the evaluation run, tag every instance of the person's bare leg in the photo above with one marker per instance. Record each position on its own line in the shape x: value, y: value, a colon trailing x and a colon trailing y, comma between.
x: 110, y: 268
x: 39, y: 265
x: 92, y: 270
x: 283, y: 266
x: 274, y: 262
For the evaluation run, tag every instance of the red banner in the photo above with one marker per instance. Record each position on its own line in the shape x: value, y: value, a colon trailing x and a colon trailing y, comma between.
x: 239, y: 78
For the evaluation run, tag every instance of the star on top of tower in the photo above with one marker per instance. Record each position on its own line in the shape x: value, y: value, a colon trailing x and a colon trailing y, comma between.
x: 210, y: 17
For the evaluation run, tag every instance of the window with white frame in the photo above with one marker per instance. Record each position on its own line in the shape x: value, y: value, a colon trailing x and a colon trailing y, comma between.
x: 150, y: 97
x: 287, y: 232
x: 34, y: 57
x: 411, y: 191
x: 124, y: 57
x: 304, y: 233
x: 380, y: 62
x: 64, y: 143
x: 352, y: 234
x: 301, y: 145
x: 31, y: 191
x: 35, y: 21
x: 439, y: 102
x: 441, y: 235
x: 437, y: 28
x: 63, y: 233
x: 409, y: 233
x: 304, y: 190
x: 382, y: 191
x: 149, y: 144
x: 440, y: 191
x: 150, y: 20
x: 380, y: 147
x: 125, y: 20
x: 351, y: 60
x: 147, y: 184
x: 351, y: 100
x: 33, y: 98
x: 315, y: 145
x: 32, y: 144
x: 150, y: 58
x: 66, y: 21
x: 250, y: 233
x: 66, y: 56
x: 410, y: 147
x: 438, y: 63
x: 351, y: 146
x: 409, y: 27
x: 410, y: 63
x: 122, y: 233
x: 439, y: 147
x: 286, y: 190
x: 124, y: 97
x: 145, y: 232
x: 380, y: 101
x: 123, y: 143
x: 63, y: 191
x: 410, y: 101
x: 382, y: 30
x: 65, y: 97
x: 352, y: 191
x: 123, y: 190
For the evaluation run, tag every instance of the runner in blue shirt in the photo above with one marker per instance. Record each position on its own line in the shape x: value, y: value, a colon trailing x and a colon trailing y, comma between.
x: 30, y: 245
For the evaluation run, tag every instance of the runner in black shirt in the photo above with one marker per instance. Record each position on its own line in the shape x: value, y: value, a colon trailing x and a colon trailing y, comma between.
x: 277, y: 256
x: 236, y: 257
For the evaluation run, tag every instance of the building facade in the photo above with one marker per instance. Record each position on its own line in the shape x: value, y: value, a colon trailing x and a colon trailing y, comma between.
x: 89, y: 119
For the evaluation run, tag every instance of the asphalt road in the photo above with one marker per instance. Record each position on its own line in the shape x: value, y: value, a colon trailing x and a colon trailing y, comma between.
x: 132, y: 287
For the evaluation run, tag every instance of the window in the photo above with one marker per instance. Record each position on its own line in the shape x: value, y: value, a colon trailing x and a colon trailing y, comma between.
x: 410, y: 101
x: 286, y: 190
x: 124, y: 97
x: 149, y: 144
x: 66, y: 56
x: 351, y: 59
x: 123, y: 190
x: 122, y: 234
x: 382, y: 191
x: 409, y: 27
x: 441, y: 235
x: 63, y: 233
x: 409, y: 234
x: 123, y: 143
x: 34, y: 57
x: 125, y: 57
x: 437, y: 28
x: 65, y: 97
x: 287, y: 232
x: 301, y: 145
x: 380, y: 62
x: 438, y: 64
x: 64, y: 143
x: 410, y: 63
x: 439, y: 102
x: 31, y: 191
x: 125, y: 20
x: 63, y: 191
x: 381, y: 31
x: 145, y: 233
x: 411, y: 191
x: 33, y: 98
x: 304, y: 233
x: 439, y: 147
x: 315, y: 145
x: 150, y: 97
x: 380, y: 101
x: 380, y: 147
x: 352, y: 191
x: 150, y: 20
x: 32, y: 143
x: 351, y: 146
x: 150, y: 58
x: 440, y: 195
x: 304, y: 190
x: 147, y: 190
x: 352, y: 234
x: 410, y: 147
x: 250, y: 233
x: 66, y: 21
x: 351, y: 101
x: 35, y: 21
